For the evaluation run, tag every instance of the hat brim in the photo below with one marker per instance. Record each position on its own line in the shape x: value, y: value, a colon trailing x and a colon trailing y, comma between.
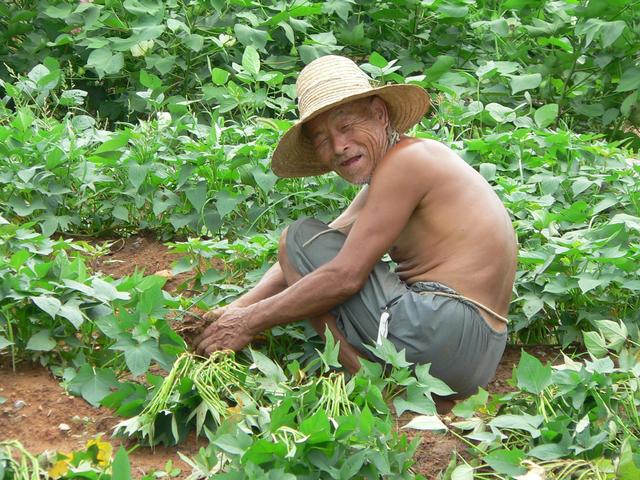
x: 295, y: 155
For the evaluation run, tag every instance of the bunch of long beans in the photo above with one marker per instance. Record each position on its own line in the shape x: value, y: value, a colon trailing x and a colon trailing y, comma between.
x: 19, y: 462
x: 334, y: 398
x: 216, y: 380
x: 219, y: 378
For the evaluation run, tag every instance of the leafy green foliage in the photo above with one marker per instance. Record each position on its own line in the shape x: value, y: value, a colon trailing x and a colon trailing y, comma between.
x: 55, y: 311
x: 579, y: 417
x: 491, y: 59
x: 125, y: 115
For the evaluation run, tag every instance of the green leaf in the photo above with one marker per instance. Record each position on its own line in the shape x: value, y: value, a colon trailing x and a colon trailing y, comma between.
x: 226, y: 202
x: 611, y: 31
x: 114, y: 143
x: 331, y: 351
x: 628, y: 465
x: 615, y: 333
x: 267, y: 366
x: 587, y: 283
x: 235, y: 444
x: 377, y: 60
x: 595, y: 344
x: 71, y: 311
x: 150, y: 80
x: 415, y: 401
x: 194, y: 42
x: 107, y: 292
x: 528, y: 423
x: 521, y: 83
x: 93, y: 383
x: 500, y: 113
x: 546, y: 115
x: 469, y: 406
x: 317, y: 427
x: 426, y: 422
x: 121, y: 468
x: 251, y: 60
x: 352, y: 465
x: 197, y: 195
x: 263, y: 451
x: 41, y: 341
x: 462, y: 472
x: 138, y: 356
x: 120, y: 212
x: 60, y: 11
x: 251, y: 36
x: 143, y: 7
x: 265, y: 180
x: 630, y: 80
x: 48, y: 304
x: 219, y: 76
x: 441, y: 66
x: 548, y: 451
x: 137, y: 174
x: 531, y: 375
x: 105, y: 62
x: 506, y: 462
x: 4, y: 342
x: 488, y: 171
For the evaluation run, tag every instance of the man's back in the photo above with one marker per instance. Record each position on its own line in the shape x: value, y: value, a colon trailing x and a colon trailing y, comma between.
x: 460, y: 233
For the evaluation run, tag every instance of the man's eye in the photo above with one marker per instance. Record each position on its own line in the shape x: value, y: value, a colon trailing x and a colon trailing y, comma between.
x: 345, y: 126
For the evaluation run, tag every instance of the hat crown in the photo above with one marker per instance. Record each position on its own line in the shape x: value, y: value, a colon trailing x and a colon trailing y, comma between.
x: 328, y: 80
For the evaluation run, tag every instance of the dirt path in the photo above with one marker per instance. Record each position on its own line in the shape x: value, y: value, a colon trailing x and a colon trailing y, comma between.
x: 36, y: 405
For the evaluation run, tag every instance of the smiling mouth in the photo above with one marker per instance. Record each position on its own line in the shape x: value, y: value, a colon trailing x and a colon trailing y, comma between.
x: 350, y: 161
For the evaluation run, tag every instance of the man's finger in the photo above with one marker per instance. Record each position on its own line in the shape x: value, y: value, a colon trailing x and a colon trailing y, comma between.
x: 206, y: 341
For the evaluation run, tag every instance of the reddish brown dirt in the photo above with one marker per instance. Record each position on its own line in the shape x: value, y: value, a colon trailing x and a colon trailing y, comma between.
x: 435, y: 450
x: 143, y: 253
x: 36, y: 424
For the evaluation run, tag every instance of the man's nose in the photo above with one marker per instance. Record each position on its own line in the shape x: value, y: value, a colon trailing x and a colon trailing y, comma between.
x: 340, y: 143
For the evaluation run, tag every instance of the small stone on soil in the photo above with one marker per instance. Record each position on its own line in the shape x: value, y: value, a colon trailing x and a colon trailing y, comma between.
x: 64, y: 427
x: 18, y: 404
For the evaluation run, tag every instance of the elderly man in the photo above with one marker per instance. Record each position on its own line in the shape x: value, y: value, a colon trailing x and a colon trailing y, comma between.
x: 438, y: 219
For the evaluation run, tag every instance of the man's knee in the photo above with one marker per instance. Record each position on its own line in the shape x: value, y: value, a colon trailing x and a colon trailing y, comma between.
x: 282, y: 245
x: 291, y: 233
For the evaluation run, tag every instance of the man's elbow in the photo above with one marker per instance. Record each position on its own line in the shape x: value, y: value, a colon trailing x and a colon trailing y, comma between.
x: 349, y: 283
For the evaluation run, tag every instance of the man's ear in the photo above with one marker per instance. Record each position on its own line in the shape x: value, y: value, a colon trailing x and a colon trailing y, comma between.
x: 379, y: 109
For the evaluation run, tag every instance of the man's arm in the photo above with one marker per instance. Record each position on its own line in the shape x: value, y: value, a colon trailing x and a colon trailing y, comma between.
x: 399, y: 183
x: 346, y: 219
x: 273, y: 281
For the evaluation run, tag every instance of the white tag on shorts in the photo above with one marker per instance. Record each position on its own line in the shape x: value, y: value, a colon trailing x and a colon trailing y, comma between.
x: 383, y: 328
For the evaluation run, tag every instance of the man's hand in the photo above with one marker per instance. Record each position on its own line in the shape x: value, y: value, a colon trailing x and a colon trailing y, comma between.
x: 229, y: 330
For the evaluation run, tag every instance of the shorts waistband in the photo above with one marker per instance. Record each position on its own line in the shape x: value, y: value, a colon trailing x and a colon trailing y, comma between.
x: 428, y: 286
x: 439, y: 288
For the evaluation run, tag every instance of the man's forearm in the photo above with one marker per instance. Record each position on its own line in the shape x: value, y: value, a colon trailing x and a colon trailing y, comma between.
x: 271, y: 283
x: 314, y: 294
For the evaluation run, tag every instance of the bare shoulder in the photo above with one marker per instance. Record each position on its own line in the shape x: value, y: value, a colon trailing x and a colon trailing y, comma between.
x: 422, y: 158
x: 422, y: 149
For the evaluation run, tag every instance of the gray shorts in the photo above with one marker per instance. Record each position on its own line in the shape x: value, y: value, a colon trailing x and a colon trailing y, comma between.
x: 448, y: 333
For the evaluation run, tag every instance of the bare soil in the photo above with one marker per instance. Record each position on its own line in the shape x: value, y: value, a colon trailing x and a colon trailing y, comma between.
x: 37, y: 406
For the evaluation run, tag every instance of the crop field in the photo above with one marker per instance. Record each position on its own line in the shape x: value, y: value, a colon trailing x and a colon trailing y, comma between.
x: 136, y: 194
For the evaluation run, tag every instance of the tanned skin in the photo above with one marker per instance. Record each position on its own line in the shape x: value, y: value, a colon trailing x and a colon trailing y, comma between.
x: 437, y: 217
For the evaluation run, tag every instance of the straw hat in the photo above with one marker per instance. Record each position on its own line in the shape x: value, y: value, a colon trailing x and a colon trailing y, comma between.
x: 330, y: 81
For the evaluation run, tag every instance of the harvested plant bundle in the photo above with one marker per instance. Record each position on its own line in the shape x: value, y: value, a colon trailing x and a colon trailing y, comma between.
x: 211, y: 382
x: 334, y: 397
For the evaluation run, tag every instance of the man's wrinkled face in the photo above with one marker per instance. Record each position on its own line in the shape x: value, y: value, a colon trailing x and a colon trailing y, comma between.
x: 351, y: 138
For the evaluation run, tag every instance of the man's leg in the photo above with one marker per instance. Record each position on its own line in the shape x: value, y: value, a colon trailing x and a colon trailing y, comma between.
x: 348, y: 355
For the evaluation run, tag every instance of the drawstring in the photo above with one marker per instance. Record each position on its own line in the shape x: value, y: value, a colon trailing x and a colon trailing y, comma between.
x: 474, y: 302
x: 383, y: 326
